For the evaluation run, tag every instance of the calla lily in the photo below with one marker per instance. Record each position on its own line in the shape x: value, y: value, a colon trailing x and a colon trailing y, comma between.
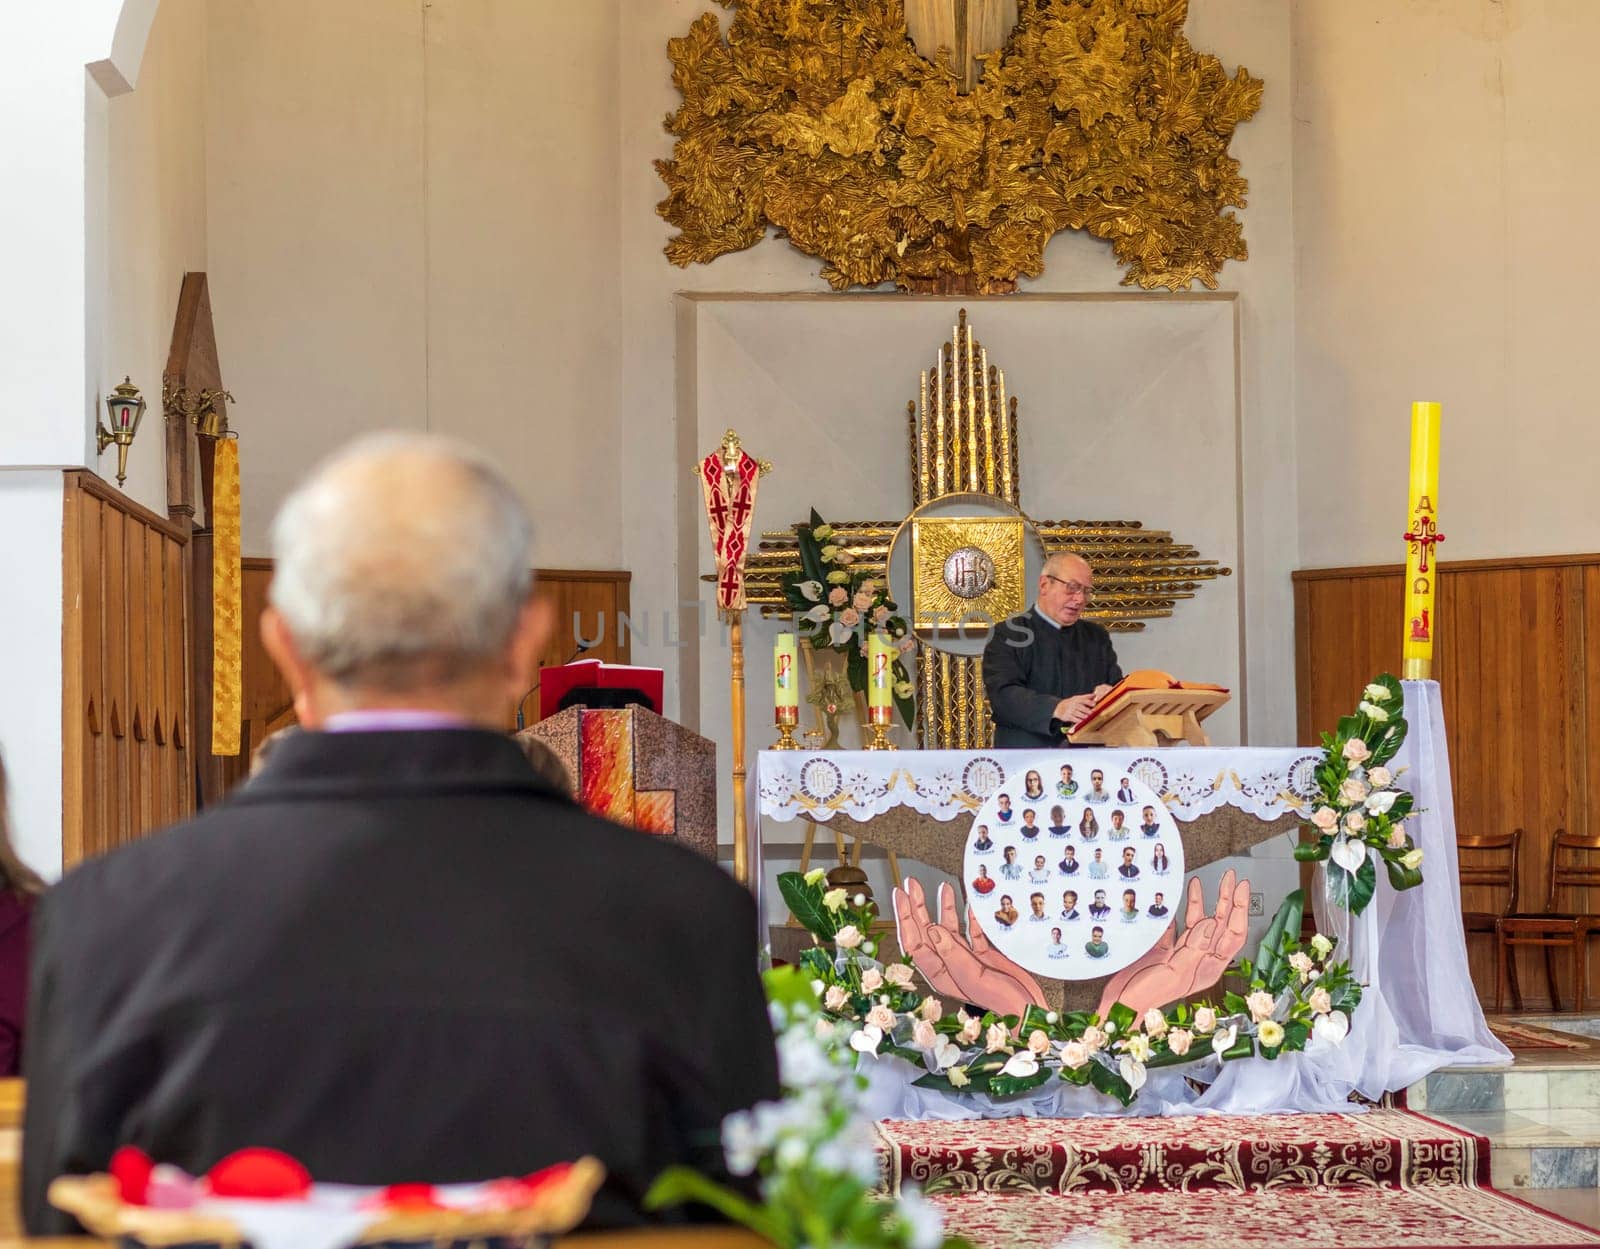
x: 1024, y: 1063
x: 1222, y: 1040
x: 1380, y: 802
x: 817, y: 614
x: 867, y: 1040
x: 838, y: 633
x: 945, y: 1053
x: 812, y: 590
x: 1331, y: 1029
x: 1349, y: 854
x: 1133, y: 1072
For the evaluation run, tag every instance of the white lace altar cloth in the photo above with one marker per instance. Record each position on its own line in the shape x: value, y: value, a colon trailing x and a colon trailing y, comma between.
x: 1192, y: 781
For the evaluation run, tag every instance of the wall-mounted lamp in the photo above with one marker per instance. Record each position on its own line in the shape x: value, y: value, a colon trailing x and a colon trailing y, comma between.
x: 126, y: 407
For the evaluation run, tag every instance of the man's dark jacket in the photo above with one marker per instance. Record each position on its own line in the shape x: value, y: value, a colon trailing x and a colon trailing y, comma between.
x: 1029, y: 667
x: 399, y: 957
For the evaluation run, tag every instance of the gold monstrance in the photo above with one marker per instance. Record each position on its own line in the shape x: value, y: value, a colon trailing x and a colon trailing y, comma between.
x: 968, y: 550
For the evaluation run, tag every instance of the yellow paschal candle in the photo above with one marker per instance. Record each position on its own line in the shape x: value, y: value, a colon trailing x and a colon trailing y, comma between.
x: 1422, y: 538
x: 880, y: 671
x: 785, y: 661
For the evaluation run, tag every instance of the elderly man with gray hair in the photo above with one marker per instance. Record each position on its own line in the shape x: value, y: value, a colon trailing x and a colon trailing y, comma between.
x: 398, y: 954
x: 1044, y: 669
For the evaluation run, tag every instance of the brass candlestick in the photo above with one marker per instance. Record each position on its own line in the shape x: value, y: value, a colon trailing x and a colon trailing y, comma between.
x: 786, y: 718
x: 878, y: 720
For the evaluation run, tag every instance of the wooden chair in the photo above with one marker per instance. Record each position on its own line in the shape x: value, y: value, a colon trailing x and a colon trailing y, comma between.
x: 1493, y: 862
x: 1556, y: 928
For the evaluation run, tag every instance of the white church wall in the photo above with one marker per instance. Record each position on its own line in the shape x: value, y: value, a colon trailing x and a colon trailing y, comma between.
x: 413, y: 225
x: 1444, y: 216
x: 155, y: 227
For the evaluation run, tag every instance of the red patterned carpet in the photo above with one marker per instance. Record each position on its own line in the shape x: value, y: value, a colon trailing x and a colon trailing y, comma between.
x: 1365, y: 1181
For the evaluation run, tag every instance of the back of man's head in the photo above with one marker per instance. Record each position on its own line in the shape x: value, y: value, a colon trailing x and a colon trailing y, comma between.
x: 401, y: 564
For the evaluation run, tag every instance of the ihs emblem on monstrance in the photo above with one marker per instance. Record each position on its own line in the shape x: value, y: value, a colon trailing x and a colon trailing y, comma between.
x: 967, y: 556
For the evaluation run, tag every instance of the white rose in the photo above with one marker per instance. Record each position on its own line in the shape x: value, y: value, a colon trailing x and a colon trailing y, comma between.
x: 923, y: 1035
x: 996, y: 1039
x: 1137, y: 1046
x: 1270, y: 1034
x: 1325, y: 818
x: 882, y: 1017
x: 848, y: 937
x: 1373, y: 712
x: 932, y: 1009
x: 1260, y: 1004
x: 1355, y: 751
x: 1353, y: 790
x: 1093, y: 1039
x: 1133, y: 1072
x: 1321, y: 946
x: 1380, y: 778
x: 899, y: 974
x: 834, y: 899
x: 835, y: 1000
x: 1205, y: 1020
x: 1319, y: 1001
x: 871, y: 980
x: 1412, y: 858
x: 1155, y: 1023
x: 1376, y: 693
x: 1179, y: 1040
x: 1039, y: 1041
x: 1074, y: 1055
x: 1023, y: 1065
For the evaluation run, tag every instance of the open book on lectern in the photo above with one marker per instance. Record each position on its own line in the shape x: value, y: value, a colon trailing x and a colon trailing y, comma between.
x: 1145, y: 706
x: 591, y: 683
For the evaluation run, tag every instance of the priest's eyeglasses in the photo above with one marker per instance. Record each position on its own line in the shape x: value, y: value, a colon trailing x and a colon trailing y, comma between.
x: 1074, y: 589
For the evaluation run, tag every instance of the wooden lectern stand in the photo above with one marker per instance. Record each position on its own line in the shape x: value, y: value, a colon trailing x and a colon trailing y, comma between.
x: 1150, y: 709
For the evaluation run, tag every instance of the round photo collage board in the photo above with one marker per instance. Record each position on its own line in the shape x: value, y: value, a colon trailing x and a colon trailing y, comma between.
x: 1074, y: 869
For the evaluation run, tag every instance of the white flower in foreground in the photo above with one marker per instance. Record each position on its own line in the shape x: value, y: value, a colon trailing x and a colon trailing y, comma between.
x: 1380, y: 778
x: 871, y: 980
x: 835, y: 999
x: 848, y: 937
x: 1373, y: 712
x: 816, y: 876
x: 1074, y: 1055
x: 1133, y: 1072
x: 1376, y: 693
x: 834, y: 899
x: 740, y: 1143
x: 899, y: 975
x: 838, y: 633
x: 945, y: 1053
x: 1331, y: 1029
x: 1355, y: 751
x: 997, y: 1038
x: 932, y: 1009
x: 1022, y: 1065
x: 867, y: 1040
x: 1179, y: 1040
x: 1138, y: 1047
x: 1260, y: 1004
x: 1349, y: 854
x: 1319, y: 1001
x: 1270, y: 1034
x: 924, y: 1223
x: 1205, y: 1020
x: 1321, y: 946
x: 802, y: 1063
x: 1222, y: 1042
x: 1379, y: 803
x: 1412, y: 859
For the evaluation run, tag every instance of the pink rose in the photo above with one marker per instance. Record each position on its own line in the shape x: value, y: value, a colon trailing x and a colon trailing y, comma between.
x: 1353, y: 790
x: 932, y: 1009
x: 837, y: 596
x: 1155, y: 1022
x: 1397, y: 836
x: 869, y: 587
x: 871, y: 980
x: 1205, y: 1020
x: 835, y: 1000
x: 1039, y: 1042
x: 881, y: 1016
x: 861, y: 601
x: 880, y: 615
x: 899, y: 975
x: 1325, y: 818
x: 1074, y: 1055
x: 1355, y: 751
x: 1179, y: 1040
x: 923, y: 1035
x: 1380, y: 778
x: 850, y: 617
x: 997, y: 1038
x: 1260, y: 1003
x: 1320, y: 1001
x: 1093, y: 1039
x: 971, y: 1030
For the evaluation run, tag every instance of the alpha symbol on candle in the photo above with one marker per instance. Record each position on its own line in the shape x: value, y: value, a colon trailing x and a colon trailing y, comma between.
x: 1423, y: 535
x: 1420, y: 630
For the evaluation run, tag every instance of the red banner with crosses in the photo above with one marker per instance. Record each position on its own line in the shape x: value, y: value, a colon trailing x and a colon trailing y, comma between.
x: 730, y: 500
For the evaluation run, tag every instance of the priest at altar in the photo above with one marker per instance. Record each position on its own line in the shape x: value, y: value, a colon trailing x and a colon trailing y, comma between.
x: 1044, y: 669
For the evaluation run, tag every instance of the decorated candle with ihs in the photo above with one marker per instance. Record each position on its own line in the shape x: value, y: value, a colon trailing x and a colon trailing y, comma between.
x: 785, y: 680
x: 880, y: 671
x: 1422, y: 538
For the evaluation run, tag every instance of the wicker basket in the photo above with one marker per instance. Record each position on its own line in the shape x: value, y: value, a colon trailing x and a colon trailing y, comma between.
x: 558, y: 1207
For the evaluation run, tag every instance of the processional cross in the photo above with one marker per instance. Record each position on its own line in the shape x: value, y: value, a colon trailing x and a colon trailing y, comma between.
x: 966, y: 521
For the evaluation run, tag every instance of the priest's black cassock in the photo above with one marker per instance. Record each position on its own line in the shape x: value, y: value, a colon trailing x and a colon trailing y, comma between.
x: 1031, y: 663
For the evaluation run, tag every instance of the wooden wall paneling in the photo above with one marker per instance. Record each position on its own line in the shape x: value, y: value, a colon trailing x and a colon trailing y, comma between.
x: 266, y: 703
x: 587, y: 597
x: 117, y: 782
x: 79, y: 686
x: 178, y: 644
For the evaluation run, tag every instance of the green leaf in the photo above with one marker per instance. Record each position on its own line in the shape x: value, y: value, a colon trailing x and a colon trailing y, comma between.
x: 1121, y: 1017
x: 1314, y: 851
x: 1110, y: 1083
x: 1269, y: 954
x: 677, y: 1185
x: 855, y: 665
x: 1353, y: 892
x: 1244, y: 1047
x: 1005, y: 1086
x: 1080, y: 1075
x: 1233, y: 1004
x: 805, y: 904
x: 1403, y: 877
x: 1295, y: 1034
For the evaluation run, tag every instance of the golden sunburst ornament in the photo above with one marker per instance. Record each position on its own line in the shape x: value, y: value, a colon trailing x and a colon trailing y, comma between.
x: 819, y: 118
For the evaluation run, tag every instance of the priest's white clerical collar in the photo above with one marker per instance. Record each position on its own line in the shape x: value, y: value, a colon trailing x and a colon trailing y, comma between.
x: 1054, y: 624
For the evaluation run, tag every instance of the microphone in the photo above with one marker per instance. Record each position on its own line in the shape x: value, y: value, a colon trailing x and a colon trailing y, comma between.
x: 582, y: 647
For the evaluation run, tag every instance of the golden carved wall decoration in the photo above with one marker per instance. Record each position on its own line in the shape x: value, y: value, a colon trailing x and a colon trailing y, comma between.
x: 820, y: 119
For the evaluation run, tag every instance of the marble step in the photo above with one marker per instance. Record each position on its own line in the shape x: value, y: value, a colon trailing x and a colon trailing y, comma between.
x: 1537, y: 1148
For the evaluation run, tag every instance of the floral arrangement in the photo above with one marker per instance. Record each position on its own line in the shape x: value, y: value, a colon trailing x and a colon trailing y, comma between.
x: 1360, y: 815
x: 1298, y: 1000
x: 836, y: 606
x: 813, y: 1153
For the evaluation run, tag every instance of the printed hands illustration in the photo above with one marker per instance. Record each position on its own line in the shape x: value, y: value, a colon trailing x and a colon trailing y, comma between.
x: 969, y: 969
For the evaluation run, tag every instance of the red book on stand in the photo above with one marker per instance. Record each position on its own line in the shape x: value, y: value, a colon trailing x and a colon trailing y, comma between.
x: 556, y: 683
